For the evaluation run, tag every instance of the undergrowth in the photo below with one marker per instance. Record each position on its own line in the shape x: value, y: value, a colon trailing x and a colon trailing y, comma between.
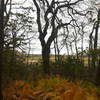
x: 55, y: 88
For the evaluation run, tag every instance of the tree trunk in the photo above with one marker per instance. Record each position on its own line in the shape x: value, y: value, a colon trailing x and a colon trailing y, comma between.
x: 95, y: 48
x: 71, y: 48
x: 98, y: 74
x: 67, y: 48
x: 76, y: 50
x: 55, y: 51
x: 46, y: 59
x: 96, y: 40
x: 1, y: 43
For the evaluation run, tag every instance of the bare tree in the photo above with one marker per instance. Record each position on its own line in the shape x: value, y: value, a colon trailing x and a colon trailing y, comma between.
x: 51, y: 19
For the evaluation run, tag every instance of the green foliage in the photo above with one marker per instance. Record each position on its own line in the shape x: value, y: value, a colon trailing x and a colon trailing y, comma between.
x: 73, y: 67
x: 14, y: 68
x: 70, y: 67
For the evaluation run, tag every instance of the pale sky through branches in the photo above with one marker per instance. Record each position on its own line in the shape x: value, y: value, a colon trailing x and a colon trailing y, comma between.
x: 35, y: 46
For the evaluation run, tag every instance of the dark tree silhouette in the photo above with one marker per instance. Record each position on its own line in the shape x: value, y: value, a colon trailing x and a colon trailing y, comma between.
x: 4, y: 17
x: 51, y: 12
x: 95, y: 47
x: 1, y: 42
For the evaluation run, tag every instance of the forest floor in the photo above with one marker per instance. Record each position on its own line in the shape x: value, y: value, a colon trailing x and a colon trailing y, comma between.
x: 51, y: 88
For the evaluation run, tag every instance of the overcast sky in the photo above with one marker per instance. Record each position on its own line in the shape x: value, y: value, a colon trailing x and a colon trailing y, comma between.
x: 35, y: 43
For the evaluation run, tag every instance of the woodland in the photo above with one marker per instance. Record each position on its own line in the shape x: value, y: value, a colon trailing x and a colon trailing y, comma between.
x: 68, y: 67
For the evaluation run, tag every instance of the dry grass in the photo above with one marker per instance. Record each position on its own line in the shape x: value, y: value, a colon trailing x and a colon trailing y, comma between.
x: 49, y: 89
